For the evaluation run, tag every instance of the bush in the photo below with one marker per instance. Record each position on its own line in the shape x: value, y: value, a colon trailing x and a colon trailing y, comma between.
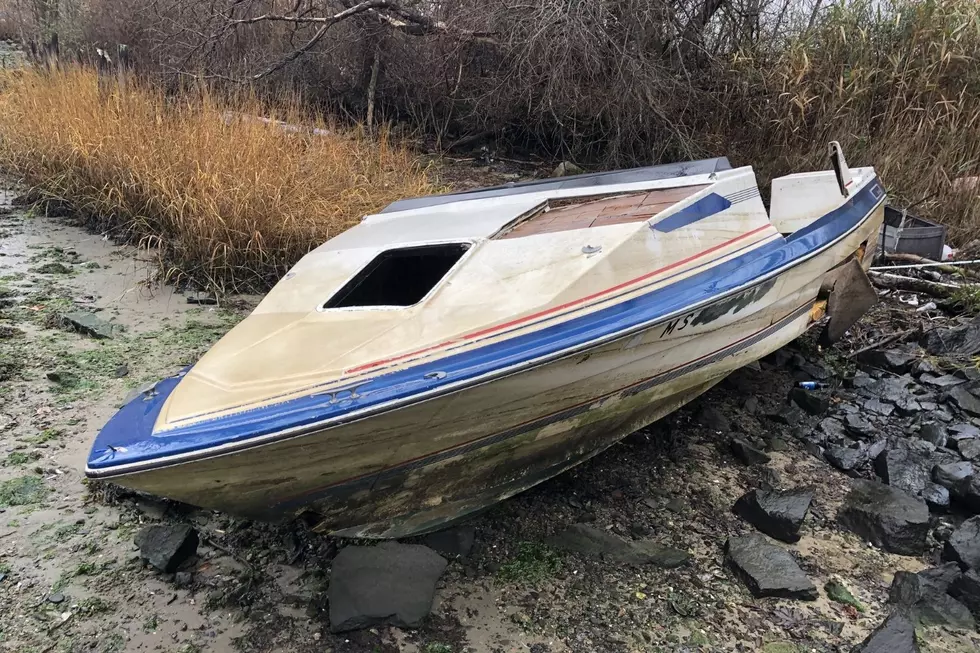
x: 228, y: 199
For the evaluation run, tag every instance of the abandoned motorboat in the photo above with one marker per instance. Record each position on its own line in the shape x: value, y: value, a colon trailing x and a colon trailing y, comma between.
x: 452, y: 351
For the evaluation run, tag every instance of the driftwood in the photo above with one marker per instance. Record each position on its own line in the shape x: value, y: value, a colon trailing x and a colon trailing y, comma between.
x: 884, y: 342
x: 911, y: 284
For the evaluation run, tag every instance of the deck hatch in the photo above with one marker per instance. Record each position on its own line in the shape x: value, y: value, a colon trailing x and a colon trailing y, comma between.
x: 399, y: 277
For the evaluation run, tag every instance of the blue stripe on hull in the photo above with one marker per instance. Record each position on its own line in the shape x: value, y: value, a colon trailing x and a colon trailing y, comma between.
x: 127, y: 438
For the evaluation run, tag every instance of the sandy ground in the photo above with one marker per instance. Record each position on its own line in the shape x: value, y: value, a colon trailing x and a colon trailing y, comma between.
x: 72, y: 579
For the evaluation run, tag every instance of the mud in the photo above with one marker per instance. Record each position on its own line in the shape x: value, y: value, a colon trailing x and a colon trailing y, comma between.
x: 72, y: 579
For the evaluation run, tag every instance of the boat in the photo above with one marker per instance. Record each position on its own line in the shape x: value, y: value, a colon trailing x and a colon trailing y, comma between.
x: 454, y: 350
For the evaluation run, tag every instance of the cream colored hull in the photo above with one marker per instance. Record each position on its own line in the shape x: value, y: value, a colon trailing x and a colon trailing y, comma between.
x: 437, y: 460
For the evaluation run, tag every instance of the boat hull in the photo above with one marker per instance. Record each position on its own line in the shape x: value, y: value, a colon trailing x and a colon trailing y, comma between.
x: 417, y: 467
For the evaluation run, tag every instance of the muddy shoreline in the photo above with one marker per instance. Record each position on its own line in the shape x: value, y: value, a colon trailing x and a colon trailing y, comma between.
x: 72, y: 578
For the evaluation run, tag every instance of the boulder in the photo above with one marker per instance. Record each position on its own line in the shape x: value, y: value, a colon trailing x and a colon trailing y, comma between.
x: 904, y: 469
x: 966, y: 590
x: 768, y: 570
x: 963, y: 546
x: 885, y: 516
x: 896, y: 634
x: 965, y: 400
x: 812, y: 402
x: 167, y: 546
x: 452, y: 542
x: 748, y: 454
x: 923, y: 597
x: 893, y: 360
x: 591, y: 541
x: 779, y: 514
x: 388, y: 583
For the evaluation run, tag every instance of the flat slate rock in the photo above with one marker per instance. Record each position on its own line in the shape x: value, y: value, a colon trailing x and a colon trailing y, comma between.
x: 858, y: 426
x: 167, y: 546
x: 896, y: 634
x: 779, y: 514
x: 893, y: 360
x: 768, y: 570
x: 958, y: 340
x: 885, y: 516
x: 589, y: 540
x: 962, y: 431
x: 965, y: 400
x: 945, y: 381
x: 748, y: 454
x: 388, y: 583
x: 963, y: 546
x: 969, y: 449
x: 90, y: 324
x: 812, y: 402
x: 904, y: 469
x: 933, y: 433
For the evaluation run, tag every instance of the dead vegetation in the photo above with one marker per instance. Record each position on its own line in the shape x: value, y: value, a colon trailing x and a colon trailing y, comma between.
x: 225, y: 199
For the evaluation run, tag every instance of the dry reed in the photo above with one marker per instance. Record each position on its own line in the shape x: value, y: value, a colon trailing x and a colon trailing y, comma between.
x: 226, y: 200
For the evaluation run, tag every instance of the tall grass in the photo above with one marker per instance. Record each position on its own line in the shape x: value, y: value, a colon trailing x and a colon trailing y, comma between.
x: 226, y: 200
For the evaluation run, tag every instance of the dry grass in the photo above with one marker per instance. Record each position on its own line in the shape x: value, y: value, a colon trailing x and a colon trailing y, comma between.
x: 229, y: 202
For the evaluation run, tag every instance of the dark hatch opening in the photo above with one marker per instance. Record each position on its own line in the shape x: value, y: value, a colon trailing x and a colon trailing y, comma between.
x: 399, y: 277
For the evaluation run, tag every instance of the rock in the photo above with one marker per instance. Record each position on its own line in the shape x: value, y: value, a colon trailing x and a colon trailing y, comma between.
x: 923, y: 366
x: 768, y: 570
x: 969, y: 449
x: 712, y: 418
x: 813, y: 371
x: 951, y: 475
x: 893, y: 360
x: 566, y: 168
x: 967, y: 492
x: 591, y: 541
x: 676, y: 505
x: 786, y: 414
x: 452, y: 542
x: 183, y: 579
x: 963, y: 431
x: 966, y: 590
x: 896, y: 634
x: 967, y: 373
x: 90, y: 324
x: 748, y: 454
x: 777, y: 514
x: 858, y: 426
x: 923, y: 597
x: 833, y: 429
x: 751, y: 405
x: 963, y: 340
x: 934, y: 433
x: 964, y: 400
x: 845, y: 459
x: 963, y: 546
x: 904, y: 469
x: 814, y: 403
x: 936, y: 497
x: 860, y: 380
x: 945, y: 381
x: 388, y: 583
x: 879, y: 407
x: 886, y: 516
x: 167, y: 546
x: 56, y: 598
x: 907, y: 407
x: 121, y: 371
